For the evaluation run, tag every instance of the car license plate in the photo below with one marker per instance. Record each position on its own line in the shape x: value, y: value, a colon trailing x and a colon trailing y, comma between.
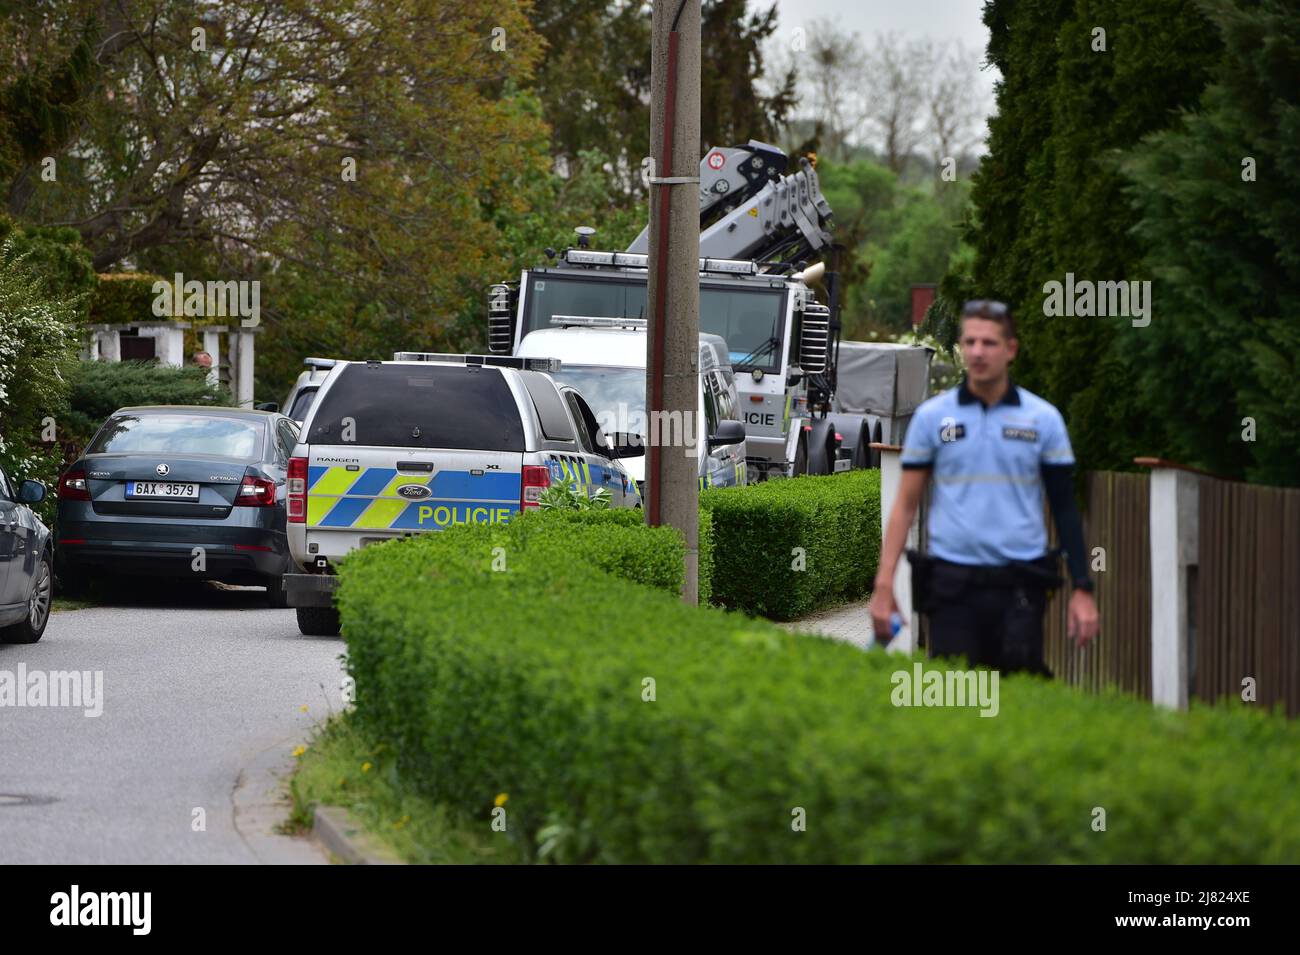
x: 162, y: 489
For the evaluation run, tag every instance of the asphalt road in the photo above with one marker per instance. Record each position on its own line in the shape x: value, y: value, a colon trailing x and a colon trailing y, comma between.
x: 202, y: 699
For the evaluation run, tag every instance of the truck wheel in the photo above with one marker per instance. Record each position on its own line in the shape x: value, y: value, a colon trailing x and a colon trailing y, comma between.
x: 878, y: 437
x: 819, y: 460
x: 800, y: 458
x: 862, y: 453
x: 318, y: 621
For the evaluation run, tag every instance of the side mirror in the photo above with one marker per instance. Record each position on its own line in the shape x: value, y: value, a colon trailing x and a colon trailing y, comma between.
x: 31, y: 492
x: 729, y: 432
x: 267, y: 406
x: 625, y: 445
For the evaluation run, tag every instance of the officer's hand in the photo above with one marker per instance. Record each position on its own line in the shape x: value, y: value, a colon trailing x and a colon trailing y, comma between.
x: 882, y: 606
x: 1083, y: 617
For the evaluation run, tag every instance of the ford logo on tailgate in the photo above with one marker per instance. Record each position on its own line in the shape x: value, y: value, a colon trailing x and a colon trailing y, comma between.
x: 414, y: 492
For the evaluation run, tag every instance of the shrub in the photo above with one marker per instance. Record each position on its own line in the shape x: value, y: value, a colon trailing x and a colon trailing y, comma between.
x: 37, y: 348
x: 99, y: 388
x: 759, y: 532
x: 532, y: 683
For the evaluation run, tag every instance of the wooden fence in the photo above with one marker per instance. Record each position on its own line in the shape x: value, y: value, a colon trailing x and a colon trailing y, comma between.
x: 1247, y: 589
x: 1116, y: 521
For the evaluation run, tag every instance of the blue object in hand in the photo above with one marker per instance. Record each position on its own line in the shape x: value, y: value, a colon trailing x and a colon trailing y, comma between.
x: 895, y: 624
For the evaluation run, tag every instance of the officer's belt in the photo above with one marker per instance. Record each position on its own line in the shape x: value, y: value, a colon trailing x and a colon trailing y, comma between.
x: 1017, y: 573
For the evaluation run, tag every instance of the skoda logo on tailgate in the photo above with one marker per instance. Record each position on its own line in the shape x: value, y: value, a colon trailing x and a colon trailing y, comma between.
x: 414, y: 492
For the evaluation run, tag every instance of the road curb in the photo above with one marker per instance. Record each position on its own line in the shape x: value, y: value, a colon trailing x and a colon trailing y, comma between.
x: 261, y: 803
x: 339, y: 832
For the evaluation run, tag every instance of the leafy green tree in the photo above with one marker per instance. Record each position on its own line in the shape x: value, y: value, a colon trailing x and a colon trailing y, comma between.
x: 1049, y: 198
x: 893, y: 235
x: 55, y: 256
x: 1218, y: 197
x: 732, y: 110
x: 594, y: 80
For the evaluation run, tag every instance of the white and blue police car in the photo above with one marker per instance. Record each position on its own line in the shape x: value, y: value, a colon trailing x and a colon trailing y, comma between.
x: 427, y: 441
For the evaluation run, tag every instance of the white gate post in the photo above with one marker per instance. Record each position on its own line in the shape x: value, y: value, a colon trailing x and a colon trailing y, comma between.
x: 1175, y: 502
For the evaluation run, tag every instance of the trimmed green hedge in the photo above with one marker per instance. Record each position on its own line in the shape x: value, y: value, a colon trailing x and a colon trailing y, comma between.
x: 124, y: 299
x: 758, y: 531
x: 635, y: 517
x: 530, y: 683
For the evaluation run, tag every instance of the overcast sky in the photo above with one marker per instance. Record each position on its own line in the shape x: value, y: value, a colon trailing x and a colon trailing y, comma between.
x: 939, y: 20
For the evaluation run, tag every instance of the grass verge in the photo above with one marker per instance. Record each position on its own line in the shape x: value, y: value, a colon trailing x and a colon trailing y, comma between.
x: 342, y: 767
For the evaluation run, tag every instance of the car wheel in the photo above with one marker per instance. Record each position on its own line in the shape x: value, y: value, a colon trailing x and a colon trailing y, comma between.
x: 276, y: 598
x: 318, y: 621
x: 31, y: 627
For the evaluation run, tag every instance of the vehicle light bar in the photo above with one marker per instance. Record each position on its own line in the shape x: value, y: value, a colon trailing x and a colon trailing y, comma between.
x: 320, y: 362
x: 597, y: 321
x: 584, y: 257
x: 501, y: 361
x: 639, y: 260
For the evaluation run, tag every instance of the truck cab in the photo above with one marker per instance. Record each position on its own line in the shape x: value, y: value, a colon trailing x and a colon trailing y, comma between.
x: 773, y: 331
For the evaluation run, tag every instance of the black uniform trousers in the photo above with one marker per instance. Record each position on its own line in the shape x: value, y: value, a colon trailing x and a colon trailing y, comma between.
x: 986, y: 616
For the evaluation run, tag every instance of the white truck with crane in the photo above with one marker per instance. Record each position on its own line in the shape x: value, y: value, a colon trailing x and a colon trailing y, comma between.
x: 759, y: 229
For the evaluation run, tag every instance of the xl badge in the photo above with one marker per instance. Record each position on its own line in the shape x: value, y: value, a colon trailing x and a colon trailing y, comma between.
x: 415, y: 492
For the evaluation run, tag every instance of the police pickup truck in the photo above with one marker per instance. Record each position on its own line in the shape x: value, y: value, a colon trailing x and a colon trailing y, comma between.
x: 393, y: 448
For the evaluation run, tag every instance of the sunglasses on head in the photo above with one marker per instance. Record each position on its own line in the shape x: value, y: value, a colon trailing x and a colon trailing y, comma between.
x: 984, y: 306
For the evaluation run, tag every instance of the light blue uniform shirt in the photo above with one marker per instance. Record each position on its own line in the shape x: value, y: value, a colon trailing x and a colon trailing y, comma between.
x: 986, y: 500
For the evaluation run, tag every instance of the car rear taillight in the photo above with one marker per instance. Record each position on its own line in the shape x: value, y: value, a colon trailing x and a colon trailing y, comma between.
x: 297, y: 496
x: 255, y: 492
x: 536, y: 479
x: 72, y: 486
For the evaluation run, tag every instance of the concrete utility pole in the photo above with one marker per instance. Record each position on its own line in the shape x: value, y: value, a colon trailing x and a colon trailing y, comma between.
x: 673, y: 333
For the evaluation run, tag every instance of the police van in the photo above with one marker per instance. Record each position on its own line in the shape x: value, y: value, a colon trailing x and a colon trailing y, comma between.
x: 427, y: 441
x: 605, y: 359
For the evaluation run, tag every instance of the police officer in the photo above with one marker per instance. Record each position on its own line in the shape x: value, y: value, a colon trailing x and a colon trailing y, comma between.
x: 992, y: 449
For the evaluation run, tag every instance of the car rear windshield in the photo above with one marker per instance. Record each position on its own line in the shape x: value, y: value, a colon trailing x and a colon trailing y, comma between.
x: 414, y: 406
x: 162, y: 433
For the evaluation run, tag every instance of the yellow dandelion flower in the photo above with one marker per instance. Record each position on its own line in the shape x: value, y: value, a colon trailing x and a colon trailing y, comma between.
x: 365, y: 767
x: 303, y: 708
x: 501, y: 799
x: 299, y: 751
